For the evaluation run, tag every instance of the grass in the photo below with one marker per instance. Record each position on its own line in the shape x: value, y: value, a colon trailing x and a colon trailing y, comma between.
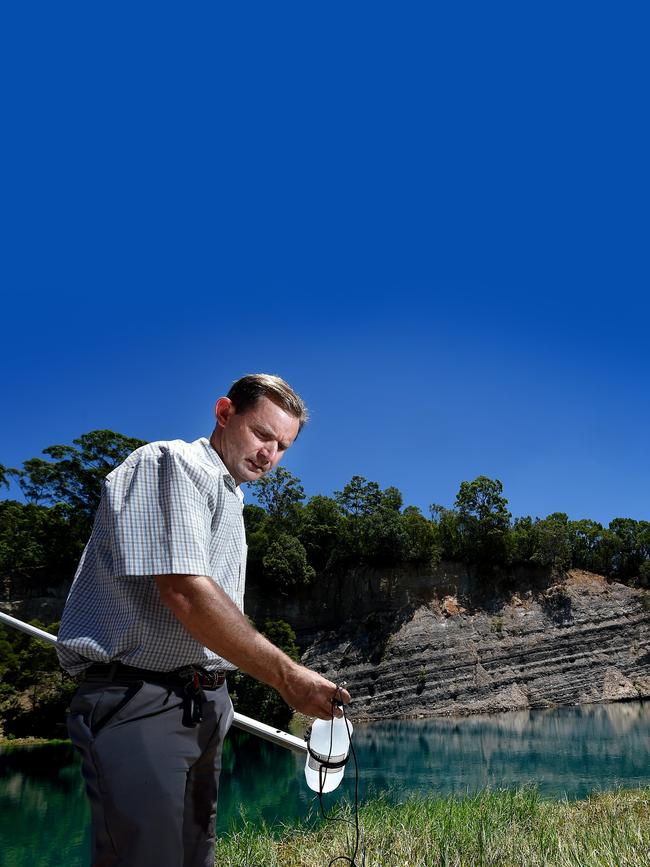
x: 515, y: 828
x: 30, y: 742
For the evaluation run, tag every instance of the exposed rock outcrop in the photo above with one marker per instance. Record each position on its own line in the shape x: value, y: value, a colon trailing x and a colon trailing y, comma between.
x: 578, y: 640
x: 413, y: 643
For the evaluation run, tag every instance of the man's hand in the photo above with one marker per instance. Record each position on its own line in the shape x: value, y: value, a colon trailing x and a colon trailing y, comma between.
x: 311, y: 694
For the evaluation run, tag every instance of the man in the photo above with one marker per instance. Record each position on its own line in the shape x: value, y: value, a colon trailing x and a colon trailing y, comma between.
x: 154, y: 621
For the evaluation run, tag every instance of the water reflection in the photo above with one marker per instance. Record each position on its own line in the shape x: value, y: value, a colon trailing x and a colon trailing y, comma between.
x: 43, y: 810
x: 261, y: 781
x: 567, y: 752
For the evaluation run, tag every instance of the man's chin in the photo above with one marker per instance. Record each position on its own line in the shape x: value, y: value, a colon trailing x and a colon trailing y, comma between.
x: 251, y: 474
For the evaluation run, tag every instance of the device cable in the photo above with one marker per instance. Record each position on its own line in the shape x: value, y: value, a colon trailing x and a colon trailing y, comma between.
x: 351, y: 860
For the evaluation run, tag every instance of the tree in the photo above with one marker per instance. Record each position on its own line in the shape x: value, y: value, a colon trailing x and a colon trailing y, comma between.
x: 285, y: 563
x: 34, y: 692
x: 253, y: 698
x: 383, y: 537
x: 551, y: 542
x: 422, y: 536
x: 483, y: 522
x: 446, y: 522
x: 483, y: 500
x: 391, y: 498
x: 258, y: 542
x: 359, y: 496
x: 279, y: 492
x: 590, y: 546
x: 321, y: 527
x: 522, y: 538
x: 258, y: 525
x: 74, y: 475
x: 255, y: 517
x: 632, y: 539
x: 43, y: 539
x: 282, y: 635
x: 37, y: 544
x: 373, y: 530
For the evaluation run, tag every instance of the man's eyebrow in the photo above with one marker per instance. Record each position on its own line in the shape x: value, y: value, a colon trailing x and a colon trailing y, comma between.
x: 266, y: 429
x: 269, y: 431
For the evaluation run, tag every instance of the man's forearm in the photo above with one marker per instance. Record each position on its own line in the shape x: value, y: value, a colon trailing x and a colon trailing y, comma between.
x: 213, y: 619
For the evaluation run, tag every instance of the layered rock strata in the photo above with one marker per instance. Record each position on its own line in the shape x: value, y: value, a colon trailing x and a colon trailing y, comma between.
x: 421, y: 643
x: 576, y: 641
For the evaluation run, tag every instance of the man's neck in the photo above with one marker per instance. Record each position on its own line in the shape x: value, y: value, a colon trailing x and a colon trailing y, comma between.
x: 215, y: 441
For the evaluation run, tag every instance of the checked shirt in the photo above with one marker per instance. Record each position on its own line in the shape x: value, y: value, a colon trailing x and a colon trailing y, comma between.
x: 170, y: 508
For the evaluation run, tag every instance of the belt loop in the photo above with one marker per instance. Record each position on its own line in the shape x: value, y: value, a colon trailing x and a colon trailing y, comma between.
x: 113, y: 671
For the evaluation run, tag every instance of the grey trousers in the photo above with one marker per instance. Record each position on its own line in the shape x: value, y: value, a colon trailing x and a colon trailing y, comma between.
x: 152, y: 782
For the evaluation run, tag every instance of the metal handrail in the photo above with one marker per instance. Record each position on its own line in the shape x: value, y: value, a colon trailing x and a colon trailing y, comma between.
x: 245, y: 723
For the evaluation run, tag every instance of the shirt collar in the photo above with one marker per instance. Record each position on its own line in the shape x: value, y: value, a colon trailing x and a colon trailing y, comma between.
x: 214, y: 458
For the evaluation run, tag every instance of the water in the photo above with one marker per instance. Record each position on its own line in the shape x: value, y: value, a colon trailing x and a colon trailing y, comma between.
x: 568, y: 752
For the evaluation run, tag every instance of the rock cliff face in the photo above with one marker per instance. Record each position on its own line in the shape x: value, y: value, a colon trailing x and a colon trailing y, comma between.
x: 417, y: 645
x: 412, y: 643
x: 31, y: 601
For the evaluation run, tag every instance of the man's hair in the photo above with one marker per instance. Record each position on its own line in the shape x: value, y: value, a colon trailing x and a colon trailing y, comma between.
x: 245, y: 392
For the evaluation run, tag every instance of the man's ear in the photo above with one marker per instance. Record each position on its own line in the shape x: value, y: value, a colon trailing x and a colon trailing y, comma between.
x: 223, y: 410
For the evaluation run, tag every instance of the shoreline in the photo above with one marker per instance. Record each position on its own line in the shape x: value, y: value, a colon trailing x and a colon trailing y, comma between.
x: 299, y: 723
x: 32, y: 742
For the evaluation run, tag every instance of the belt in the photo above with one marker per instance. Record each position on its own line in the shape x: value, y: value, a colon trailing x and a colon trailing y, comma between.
x: 192, y: 679
x: 118, y: 672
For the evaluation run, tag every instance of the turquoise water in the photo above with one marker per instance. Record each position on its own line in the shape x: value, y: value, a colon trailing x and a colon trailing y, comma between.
x: 568, y: 752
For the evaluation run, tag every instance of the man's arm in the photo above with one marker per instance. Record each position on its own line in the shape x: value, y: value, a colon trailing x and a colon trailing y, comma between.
x: 213, y: 619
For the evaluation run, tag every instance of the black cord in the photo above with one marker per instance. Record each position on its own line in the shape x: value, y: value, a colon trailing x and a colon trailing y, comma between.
x: 331, y: 818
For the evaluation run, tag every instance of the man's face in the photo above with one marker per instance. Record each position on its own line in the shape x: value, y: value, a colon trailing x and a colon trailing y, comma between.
x: 251, y: 443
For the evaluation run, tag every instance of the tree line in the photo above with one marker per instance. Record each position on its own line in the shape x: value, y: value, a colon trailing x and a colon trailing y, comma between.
x: 291, y: 538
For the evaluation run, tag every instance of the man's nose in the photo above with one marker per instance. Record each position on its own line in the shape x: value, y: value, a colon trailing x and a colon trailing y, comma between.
x: 269, y: 451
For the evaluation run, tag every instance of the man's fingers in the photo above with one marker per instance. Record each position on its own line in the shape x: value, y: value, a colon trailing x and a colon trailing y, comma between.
x: 314, y: 695
x: 334, y: 704
x: 342, y: 695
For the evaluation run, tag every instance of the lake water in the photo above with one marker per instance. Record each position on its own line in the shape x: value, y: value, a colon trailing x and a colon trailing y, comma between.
x: 567, y: 752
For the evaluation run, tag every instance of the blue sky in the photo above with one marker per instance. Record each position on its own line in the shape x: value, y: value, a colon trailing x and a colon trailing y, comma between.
x: 432, y: 222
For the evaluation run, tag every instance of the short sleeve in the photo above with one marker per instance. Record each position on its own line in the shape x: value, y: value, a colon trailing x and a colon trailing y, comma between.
x: 158, y: 518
